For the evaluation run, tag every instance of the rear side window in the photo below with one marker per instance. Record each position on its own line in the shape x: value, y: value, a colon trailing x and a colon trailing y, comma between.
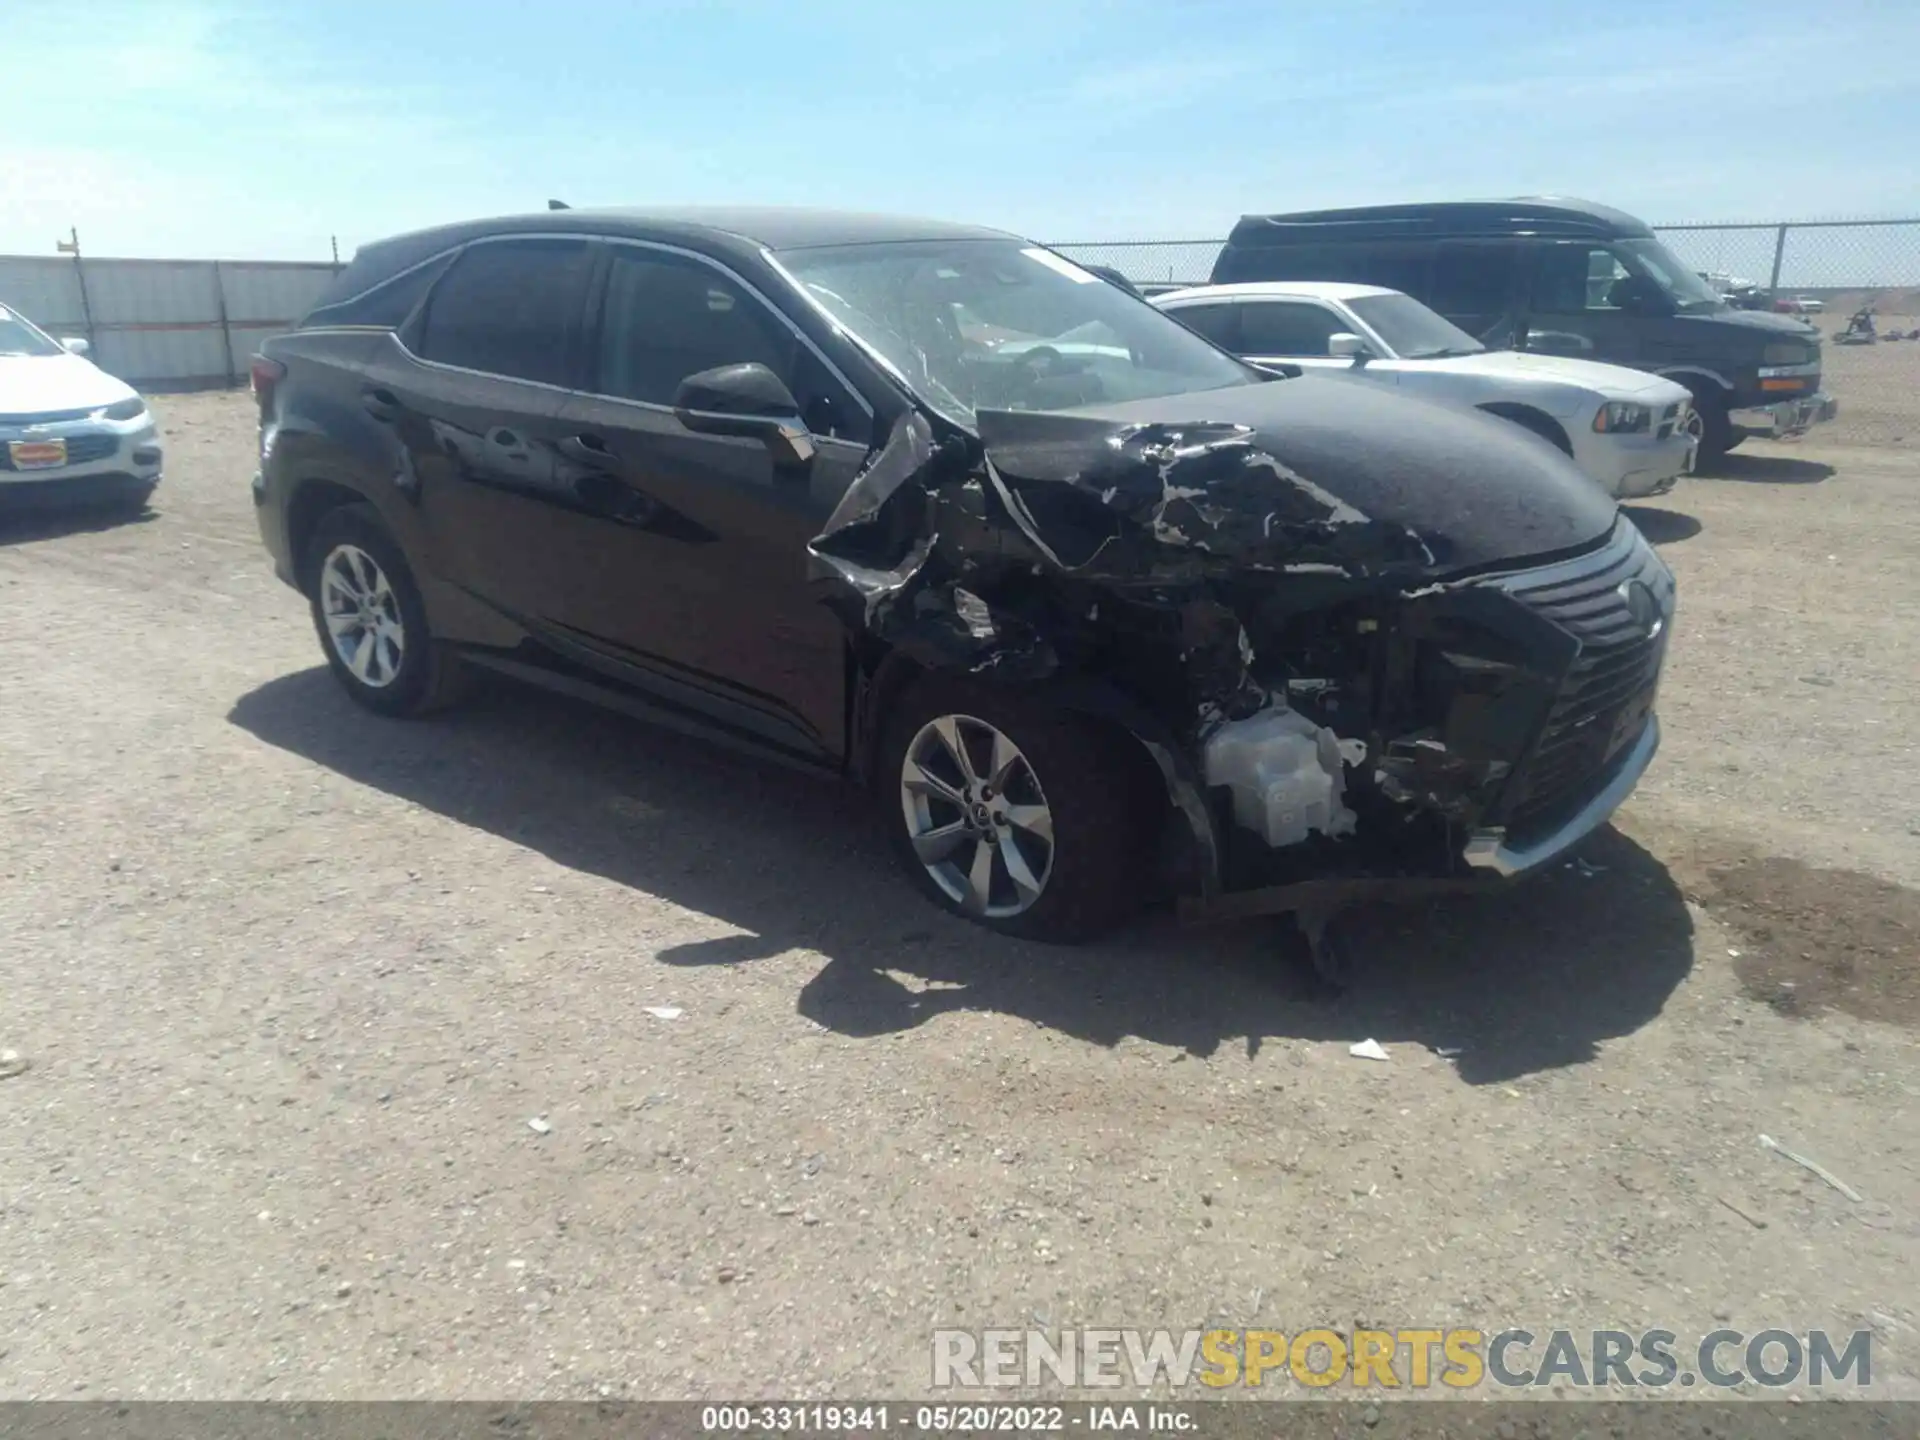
x: 1219, y: 323
x: 1472, y: 278
x: 1394, y: 264
x: 667, y: 317
x: 510, y: 307
x: 1282, y: 327
x: 387, y: 304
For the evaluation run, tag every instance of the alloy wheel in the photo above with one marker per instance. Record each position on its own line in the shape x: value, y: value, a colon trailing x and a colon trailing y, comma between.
x: 362, y: 616
x: 976, y: 816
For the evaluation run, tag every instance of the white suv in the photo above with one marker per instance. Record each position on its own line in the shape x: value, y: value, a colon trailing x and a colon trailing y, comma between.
x: 1632, y: 432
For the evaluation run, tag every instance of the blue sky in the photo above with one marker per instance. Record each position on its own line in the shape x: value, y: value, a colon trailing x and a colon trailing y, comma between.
x: 183, y: 128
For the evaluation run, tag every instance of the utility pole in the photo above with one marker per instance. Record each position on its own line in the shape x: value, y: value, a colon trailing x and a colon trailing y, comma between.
x: 71, y: 246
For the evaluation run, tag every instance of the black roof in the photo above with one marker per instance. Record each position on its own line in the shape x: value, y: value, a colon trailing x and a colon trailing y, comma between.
x: 721, y: 227
x: 1522, y: 215
x: 792, y: 227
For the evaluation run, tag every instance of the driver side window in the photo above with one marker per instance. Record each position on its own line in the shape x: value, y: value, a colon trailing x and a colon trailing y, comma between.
x: 1576, y: 279
x: 1287, y: 328
x: 666, y: 317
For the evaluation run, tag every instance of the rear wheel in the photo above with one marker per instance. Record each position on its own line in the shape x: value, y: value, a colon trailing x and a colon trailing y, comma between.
x: 370, y: 619
x: 1026, y: 819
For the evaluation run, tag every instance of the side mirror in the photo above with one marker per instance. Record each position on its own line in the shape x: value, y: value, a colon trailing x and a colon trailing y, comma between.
x: 1638, y: 295
x: 1275, y: 369
x: 75, y: 345
x: 1559, y: 342
x: 1345, y: 345
x: 749, y: 401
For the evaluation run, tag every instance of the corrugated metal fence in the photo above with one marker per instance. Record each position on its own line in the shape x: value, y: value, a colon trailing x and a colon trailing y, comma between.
x: 163, y: 324
x: 184, y: 323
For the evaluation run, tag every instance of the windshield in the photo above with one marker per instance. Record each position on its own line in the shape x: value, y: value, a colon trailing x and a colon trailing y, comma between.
x: 1684, y: 287
x: 1411, y: 330
x: 17, y: 337
x: 999, y: 325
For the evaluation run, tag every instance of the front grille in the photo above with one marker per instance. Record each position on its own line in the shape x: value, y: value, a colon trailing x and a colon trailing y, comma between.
x: 81, y: 450
x: 1607, y: 694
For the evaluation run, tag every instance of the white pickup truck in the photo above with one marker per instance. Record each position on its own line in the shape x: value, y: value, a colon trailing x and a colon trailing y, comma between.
x: 1632, y: 432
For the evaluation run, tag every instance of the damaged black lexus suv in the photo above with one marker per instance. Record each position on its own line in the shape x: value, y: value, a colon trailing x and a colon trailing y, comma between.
x: 1093, y: 608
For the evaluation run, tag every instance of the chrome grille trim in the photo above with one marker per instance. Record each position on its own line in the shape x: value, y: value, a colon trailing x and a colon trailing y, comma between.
x: 1611, y: 681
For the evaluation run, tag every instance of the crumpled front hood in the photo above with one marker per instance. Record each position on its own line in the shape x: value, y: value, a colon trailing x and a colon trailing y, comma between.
x: 1313, y: 473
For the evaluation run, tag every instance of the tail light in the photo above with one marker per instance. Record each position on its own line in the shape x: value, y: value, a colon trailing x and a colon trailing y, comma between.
x: 265, y: 374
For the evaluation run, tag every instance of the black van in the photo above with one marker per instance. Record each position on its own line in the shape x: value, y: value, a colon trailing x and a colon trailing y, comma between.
x: 1563, y: 276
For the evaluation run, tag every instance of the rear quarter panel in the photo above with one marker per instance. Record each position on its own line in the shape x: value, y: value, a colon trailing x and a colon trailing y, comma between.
x: 320, y: 434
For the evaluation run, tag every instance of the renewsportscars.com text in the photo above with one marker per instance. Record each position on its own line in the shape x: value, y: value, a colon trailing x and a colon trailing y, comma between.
x: 1410, y: 1358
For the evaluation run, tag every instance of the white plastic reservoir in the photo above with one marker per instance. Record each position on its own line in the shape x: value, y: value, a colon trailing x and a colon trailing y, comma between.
x: 1286, y: 774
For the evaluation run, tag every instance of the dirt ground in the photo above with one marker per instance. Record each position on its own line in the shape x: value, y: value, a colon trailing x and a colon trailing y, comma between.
x: 1875, y: 384
x: 290, y: 983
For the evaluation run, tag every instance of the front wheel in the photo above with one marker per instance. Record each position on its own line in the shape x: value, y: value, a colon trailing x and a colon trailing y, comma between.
x: 1023, y: 818
x: 1712, y: 429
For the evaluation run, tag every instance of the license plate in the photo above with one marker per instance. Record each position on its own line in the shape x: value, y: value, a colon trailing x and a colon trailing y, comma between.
x: 37, y: 454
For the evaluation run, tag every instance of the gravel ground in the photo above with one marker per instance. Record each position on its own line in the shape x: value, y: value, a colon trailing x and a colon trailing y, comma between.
x: 1876, y: 384
x: 292, y: 983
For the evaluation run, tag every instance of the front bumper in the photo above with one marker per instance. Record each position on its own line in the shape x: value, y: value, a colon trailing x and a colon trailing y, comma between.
x: 1785, y: 417
x: 1577, y: 709
x: 1631, y: 467
x: 105, y: 458
x: 1490, y: 850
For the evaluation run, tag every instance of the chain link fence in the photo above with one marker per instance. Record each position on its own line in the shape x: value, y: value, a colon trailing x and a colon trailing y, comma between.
x: 1150, y: 263
x: 1824, y: 270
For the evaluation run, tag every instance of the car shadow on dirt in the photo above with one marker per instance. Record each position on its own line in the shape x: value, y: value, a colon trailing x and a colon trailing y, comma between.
x: 50, y: 523
x: 1662, y: 527
x: 1769, y: 470
x: 1530, y: 978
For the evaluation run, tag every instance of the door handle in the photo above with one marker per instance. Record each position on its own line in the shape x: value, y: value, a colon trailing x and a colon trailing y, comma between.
x: 589, y: 449
x: 381, y: 404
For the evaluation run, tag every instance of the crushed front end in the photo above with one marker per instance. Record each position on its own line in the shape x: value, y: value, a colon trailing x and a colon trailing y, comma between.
x: 1486, y: 725
x: 1356, y: 676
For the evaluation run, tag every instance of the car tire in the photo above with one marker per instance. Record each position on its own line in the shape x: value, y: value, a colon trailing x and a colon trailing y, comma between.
x: 370, y: 619
x: 1714, y: 430
x: 1075, y: 811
